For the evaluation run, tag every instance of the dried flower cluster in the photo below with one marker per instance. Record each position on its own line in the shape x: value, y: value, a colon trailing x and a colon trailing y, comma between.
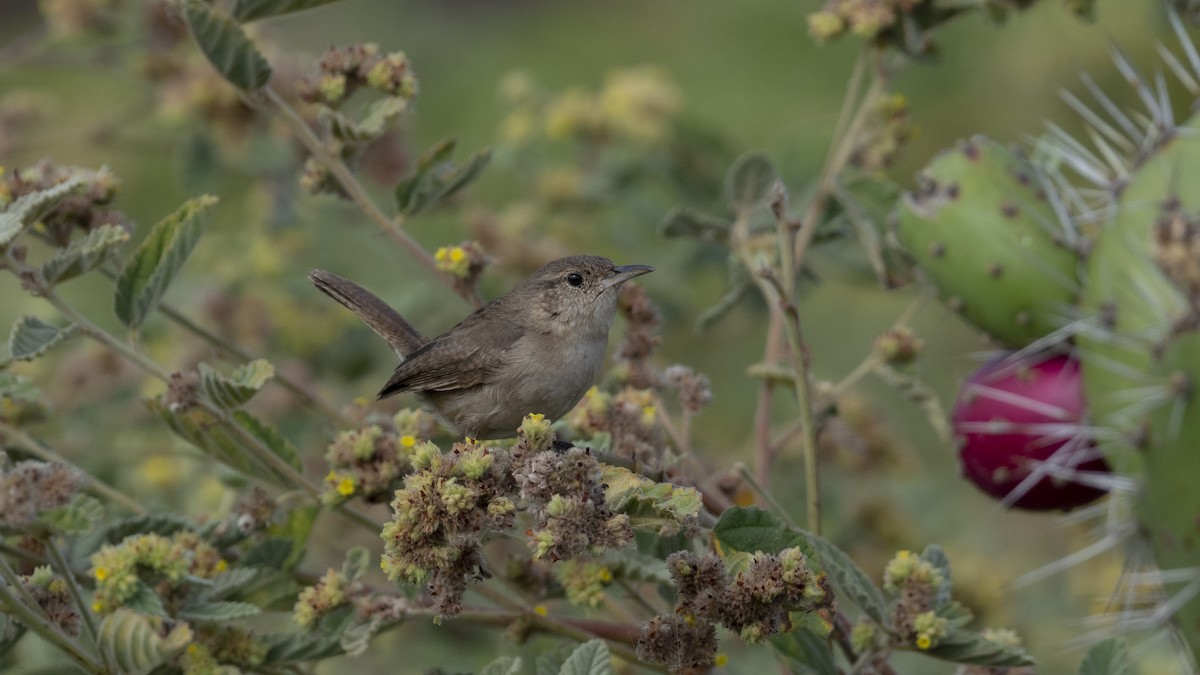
x: 343, y: 70
x: 916, y: 581
x: 321, y: 598
x: 86, y: 209
x: 866, y: 18
x: 367, y: 463
x: 889, y: 129
x: 754, y: 603
x: 1001, y: 636
x: 453, y: 500
x: 30, y: 487
x: 898, y: 346
x: 151, y: 561
x: 216, y: 648
x: 54, y: 598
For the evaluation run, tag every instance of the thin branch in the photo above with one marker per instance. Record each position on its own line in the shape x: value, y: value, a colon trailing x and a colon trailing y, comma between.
x: 24, y: 608
x: 354, y: 189
x: 59, y: 563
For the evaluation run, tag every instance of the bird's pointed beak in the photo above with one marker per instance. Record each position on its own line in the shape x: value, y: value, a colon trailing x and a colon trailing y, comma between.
x: 624, y: 273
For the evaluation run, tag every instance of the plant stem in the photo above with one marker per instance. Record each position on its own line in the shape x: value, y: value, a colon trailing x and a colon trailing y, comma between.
x: 25, y: 609
x: 59, y: 563
x: 766, y: 495
x: 567, y: 627
x: 393, y: 228
x: 95, y: 485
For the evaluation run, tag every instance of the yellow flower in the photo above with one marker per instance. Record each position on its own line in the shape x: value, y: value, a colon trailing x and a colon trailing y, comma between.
x: 541, y: 610
x: 345, y: 487
x: 101, y: 573
x: 648, y: 415
x: 721, y: 660
x: 221, y: 566
x: 606, y: 575
x: 924, y: 642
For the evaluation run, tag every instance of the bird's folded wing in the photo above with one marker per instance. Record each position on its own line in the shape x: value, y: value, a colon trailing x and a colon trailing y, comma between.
x: 448, y: 364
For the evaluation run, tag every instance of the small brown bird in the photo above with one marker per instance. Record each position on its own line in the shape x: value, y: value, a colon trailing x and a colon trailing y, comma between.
x: 536, y: 349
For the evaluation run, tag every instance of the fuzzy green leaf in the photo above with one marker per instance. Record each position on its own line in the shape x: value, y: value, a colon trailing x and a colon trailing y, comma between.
x: 209, y: 435
x: 238, y: 387
x: 84, y: 254
x: 436, y: 178
x: 673, y: 506
x: 165, y: 524
x: 132, y: 643
x: 296, y: 529
x: 78, y: 516
x: 323, y: 641
x: 146, y: 276
x: 686, y: 222
x: 934, y: 555
x: 379, y: 116
x: 357, y: 637
x: 849, y: 580
x: 279, y: 445
x: 1107, y: 657
x: 31, y: 338
x: 804, y: 651
x: 250, y: 10
x: 633, y: 565
x: 550, y: 661
x: 589, y: 658
x: 504, y: 665
x: 215, y: 612
x: 964, y: 646
x: 27, y: 209
x: 229, y: 582
x: 225, y: 44
x: 271, y: 553
x: 358, y: 559
x: 749, y: 181
x: 145, y: 601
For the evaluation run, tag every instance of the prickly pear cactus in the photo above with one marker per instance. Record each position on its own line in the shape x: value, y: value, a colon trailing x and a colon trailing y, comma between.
x: 1136, y: 325
x: 983, y: 231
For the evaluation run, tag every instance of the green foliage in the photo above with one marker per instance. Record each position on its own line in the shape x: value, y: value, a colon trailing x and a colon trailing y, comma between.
x: 437, y: 178
x: 132, y: 642
x: 84, y: 254
x: 226, y: 46
x: 805, y: 652
x: 31, y: 337
x: 27, y: 209
x: 145, y: 277
x: 251, y: 10
x: 239, y: 387
x: 749, y: 182
x: 76, y: 517
x: 1107, y: 657
x: 589, y: 658
x: 657, y: 505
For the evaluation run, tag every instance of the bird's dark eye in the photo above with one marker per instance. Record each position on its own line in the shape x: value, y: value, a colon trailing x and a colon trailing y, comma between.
x: 575, y: 278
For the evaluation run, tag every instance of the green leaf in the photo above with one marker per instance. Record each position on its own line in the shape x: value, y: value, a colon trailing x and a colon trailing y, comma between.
x: 436, y: 178
x: 804, y: 651
x: 964, y: 646
x: 78, y: 516
x: 503, y: 665
x: 271, y: 553
x: 685, y: 222
x: 1107, y: 657
x: 849, y: 580
x: 165, y: 524
x: 84, y: 254
x: 250, y: 10
x: 132, y: 643
x: 28, y: 209
x: 589, y: 658
x: 672, y: 506
x: 145, y: 601
x: 11, y: 632
x: 279, y: 445
x: 146, y: 276
x: 934, y: 555
x: 550, y: 661
x: 31, y: 338
x: 229, y: 582
x: 237, y: 388
x: 226, y: 46
x: 323, y: 641
x: 358, y: 559
x: 379, y: 116
x: 749, y: 181
x: 633, y: 565
x: 296, y: 529
x: 223, y: 610
x: 214, y: 439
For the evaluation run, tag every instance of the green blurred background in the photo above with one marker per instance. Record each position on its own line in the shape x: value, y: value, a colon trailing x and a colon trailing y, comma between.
x: 748, y: 72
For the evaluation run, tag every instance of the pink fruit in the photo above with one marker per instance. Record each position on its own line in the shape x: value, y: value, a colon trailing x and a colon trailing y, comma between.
x: 1022, y: 435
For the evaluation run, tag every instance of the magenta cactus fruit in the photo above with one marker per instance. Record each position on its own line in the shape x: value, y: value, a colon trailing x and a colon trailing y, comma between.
x: 1022, y: 436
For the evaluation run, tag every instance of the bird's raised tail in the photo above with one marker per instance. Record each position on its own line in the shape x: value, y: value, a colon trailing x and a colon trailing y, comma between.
x: 385, y: 321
